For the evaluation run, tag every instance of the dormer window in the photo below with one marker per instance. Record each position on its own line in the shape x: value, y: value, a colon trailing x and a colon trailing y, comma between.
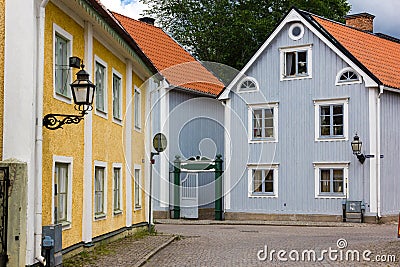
x: 296, y: 62
x: 247, y: 84
x: 347, y: 76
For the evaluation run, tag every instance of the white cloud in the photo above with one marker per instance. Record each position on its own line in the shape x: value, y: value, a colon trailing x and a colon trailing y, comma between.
x: 130, y: 8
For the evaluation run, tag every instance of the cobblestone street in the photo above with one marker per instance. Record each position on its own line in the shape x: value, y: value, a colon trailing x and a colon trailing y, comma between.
x: 238, y: 245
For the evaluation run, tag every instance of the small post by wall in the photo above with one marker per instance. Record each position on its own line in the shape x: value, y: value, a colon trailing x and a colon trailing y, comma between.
x: 177, y: 184
x: 218, y: 188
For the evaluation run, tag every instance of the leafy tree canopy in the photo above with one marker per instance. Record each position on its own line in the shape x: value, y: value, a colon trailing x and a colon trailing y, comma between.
x: 231, y: 31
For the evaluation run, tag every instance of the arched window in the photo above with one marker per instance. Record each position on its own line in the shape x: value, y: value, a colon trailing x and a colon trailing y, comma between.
x: 346, y: 76
x: 248, y: 84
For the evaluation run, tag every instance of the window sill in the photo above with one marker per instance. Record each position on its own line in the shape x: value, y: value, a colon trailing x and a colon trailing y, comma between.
x: 331, y: 139
x: 265, y: 195
x: 63, y: 98
x: 99, y: 217
x: 137, y: 129
x: 117, y: 212
x: 101, y: 113
x: 330, y: 196
x: 65, y: 225
x: 117, y: 121
x: 289, y: 78
x: 255, y: 141
x: 138, y: 208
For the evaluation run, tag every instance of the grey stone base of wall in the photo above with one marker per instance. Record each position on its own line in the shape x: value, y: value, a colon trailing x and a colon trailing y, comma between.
x: 209, y: 214
x: 204, y: 214
x: 244, y: 216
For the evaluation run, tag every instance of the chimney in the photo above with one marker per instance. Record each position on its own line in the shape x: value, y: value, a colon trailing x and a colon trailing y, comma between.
x: 147, y: 20
x: 362, y: 21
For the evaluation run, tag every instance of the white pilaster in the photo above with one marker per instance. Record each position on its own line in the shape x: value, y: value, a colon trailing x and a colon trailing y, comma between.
x: 373, y: 186
x: 87, y: 213
x: 227, y: 159
x: 164, y: 156
x: 128, y: 143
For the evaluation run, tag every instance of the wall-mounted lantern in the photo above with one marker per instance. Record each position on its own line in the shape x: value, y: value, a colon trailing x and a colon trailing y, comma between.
x: 356, y: 146
x: 82, y: 92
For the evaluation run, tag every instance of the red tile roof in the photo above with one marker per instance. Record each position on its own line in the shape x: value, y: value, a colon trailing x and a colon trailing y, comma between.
x: 379, y: 55
x: 175, y: 63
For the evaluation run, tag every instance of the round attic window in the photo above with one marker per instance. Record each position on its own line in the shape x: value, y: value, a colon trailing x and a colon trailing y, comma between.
x: 248, y: 84
x: 296, y: 31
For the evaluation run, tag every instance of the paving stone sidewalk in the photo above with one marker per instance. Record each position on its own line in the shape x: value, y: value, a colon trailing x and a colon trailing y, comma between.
x: 129, y: 251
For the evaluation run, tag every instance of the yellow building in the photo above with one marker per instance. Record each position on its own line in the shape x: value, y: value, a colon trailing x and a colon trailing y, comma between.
x: 89, y: 177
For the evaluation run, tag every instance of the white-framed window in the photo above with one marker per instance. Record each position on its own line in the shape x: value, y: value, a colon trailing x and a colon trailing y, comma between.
x: 137, y: 102
x: 100, y: 190
x: 100, y: 76
x: 247, y: 85
x: 117, y: 96
x: 331, y: 119
x: 296, y: 31
x: 62, y: 190
x: 296, y: 62
x: 263, y: 122
x: 138, y: 184
x: 263, y: 180
x: 117, y: 188
x: 331, y: 180
x: 347, y: 76
x: 62, y: 75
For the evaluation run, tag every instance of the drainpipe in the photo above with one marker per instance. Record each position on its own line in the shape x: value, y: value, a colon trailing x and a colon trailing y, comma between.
x: 378, y: 152
x: 39, y: 132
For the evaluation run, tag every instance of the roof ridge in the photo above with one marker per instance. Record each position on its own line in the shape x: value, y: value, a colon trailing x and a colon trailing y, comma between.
x: 354, y: 28
x: 137, y: 20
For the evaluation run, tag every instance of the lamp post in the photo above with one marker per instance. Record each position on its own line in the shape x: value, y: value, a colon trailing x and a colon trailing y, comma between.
x: 356, y: 146
x: 82, y: 92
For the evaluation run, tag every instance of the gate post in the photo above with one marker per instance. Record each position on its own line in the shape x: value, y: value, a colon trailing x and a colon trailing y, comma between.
x: 218, y: 187
x: 177, y: 184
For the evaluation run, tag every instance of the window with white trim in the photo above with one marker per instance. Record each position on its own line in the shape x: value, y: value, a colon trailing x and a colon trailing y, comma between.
x: 247, y: 84
x: 138, y: 194
x: 101, y: 85
x: 99, y: 191
x: 331, y: 179
x: 117, y: 96
x: 347, y: 76
x: 137, y: 109
x: 62, y: 72
x: 263, y: 180
x: 263, y: 122
x: 296, y: 62
x: 117, y: 193
x: 331, y: 119
x: 62, y: 190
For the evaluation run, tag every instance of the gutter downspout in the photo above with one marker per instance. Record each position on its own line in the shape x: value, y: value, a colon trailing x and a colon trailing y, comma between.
x: 378, y: 152
x: 39, y: 132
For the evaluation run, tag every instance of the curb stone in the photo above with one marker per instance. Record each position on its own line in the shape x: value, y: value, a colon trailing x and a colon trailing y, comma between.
x: 154, y: 251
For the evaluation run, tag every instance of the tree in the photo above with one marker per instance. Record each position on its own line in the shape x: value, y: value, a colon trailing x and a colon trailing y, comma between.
x: 231, y: 31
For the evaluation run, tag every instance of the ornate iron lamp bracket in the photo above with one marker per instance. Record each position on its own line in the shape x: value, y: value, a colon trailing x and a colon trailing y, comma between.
x: 56, y: 121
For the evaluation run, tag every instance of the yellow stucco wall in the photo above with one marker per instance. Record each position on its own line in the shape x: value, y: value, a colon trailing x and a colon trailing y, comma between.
x: 2, y: 40
x: 66, y: 142
x: 107, y: 139
x: 138, y: 148
x: 108, y: 144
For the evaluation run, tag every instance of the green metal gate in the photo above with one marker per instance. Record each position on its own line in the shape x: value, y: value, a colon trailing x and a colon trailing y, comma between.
x: 199, y: 165
x: 4, y: 185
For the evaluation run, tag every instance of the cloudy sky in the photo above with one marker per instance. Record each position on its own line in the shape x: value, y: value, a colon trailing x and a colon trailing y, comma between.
x: 386, y: 11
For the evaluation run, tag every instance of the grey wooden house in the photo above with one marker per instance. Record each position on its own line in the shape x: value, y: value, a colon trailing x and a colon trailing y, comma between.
x: 294, y: 110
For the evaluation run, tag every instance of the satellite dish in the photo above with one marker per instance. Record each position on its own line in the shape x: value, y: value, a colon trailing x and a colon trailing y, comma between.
x: 159, y: 142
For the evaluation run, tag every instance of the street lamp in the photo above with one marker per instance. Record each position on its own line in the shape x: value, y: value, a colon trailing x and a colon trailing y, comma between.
x: 82, y: 92
x: 356, y: 146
